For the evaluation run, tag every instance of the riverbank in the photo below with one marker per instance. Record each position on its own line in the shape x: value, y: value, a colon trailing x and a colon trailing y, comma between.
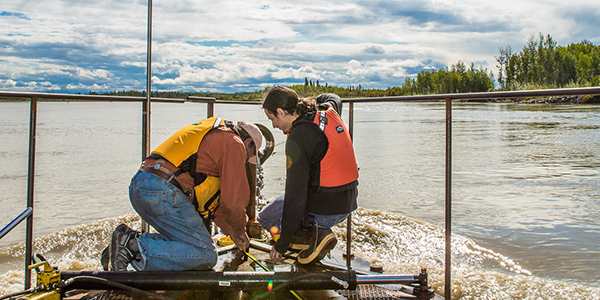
x: 583, y: 99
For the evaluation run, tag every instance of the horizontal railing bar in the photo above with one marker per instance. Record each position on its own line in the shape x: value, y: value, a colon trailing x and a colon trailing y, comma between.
x: 167, y: 100
x: 412, y: 98
x: 26, y: 213
x: 483, y: 95
x: 214, y: 100
x: 51, y: 96
x: 201, y: 99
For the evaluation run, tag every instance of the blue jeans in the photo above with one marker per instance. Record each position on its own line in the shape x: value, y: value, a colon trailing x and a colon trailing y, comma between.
x: 270, y: 216
x: 182, y: 241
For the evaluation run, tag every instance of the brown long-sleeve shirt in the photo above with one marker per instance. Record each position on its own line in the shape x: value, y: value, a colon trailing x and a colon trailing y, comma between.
x: 222, y: 153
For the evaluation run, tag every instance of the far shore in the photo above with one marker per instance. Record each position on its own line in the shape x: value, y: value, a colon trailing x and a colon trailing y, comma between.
x: 585, y: 99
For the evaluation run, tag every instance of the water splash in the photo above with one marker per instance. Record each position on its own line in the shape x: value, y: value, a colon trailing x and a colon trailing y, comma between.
x: 74, y: 248
x: 403, y: 245
x: 400, y: 244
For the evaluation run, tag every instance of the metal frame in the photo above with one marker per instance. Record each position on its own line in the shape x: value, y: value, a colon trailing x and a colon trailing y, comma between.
x: 36, y: 97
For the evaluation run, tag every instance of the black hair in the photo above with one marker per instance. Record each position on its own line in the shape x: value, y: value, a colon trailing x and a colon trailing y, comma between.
x: 287, y: 99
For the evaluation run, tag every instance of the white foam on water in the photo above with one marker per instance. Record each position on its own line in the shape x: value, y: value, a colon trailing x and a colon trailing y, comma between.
x: 401, y: 244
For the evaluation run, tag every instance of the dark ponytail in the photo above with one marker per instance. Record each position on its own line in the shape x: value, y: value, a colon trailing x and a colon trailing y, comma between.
x: 305, y: 105
x: 287, y: 99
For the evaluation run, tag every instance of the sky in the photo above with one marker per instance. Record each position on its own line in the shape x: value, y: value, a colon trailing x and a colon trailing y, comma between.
x: 81, y: 46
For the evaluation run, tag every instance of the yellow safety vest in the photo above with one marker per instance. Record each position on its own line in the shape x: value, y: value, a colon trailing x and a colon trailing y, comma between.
x: 184, y: 144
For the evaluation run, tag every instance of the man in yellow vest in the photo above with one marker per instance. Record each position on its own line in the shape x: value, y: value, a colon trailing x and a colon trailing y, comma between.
x: 199, y: 171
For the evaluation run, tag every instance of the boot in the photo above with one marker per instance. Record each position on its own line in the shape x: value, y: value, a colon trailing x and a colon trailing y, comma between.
x: 322, y: 240
x: 123, y: 248
x: 301, y: 240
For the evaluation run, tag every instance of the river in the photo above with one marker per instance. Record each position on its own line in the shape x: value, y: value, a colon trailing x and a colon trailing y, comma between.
x: 525, y: 196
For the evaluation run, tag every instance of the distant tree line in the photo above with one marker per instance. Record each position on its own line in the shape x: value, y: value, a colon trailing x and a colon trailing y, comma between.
x: 456, y: 79
x: 543, y: 64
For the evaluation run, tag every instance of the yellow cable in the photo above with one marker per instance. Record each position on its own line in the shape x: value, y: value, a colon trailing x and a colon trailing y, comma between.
x: 258, y: 262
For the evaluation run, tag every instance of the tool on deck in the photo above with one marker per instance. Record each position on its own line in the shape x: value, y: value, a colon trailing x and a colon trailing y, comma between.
x: 267, y: 269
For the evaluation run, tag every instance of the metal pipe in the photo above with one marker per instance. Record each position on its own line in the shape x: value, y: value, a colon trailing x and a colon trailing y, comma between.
x: 351, y: 119
x: 210, y: 109
x: 147, y: 103
x: 447, y: 280
x: 483, y: 95
x: 386, y: 279
x: 414, y: 98
x: 349, y: 242
x: 214, y: 100
x: 30, y: 189
x: 146, y: 106
x: 45, y: 96
x: 16, y: 221
x: 349, y: 254
x: 202, y: 280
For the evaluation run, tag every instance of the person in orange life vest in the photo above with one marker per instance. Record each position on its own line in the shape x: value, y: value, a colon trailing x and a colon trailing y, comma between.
x: 321, y: 178
x: 165, y: 193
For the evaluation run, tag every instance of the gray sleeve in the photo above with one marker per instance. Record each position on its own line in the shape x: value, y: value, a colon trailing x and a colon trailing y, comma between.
x: 330, y: 100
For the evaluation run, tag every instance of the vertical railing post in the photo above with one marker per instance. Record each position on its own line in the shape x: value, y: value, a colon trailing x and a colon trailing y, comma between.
x: 349, y: 219
x: 447, y: 280
x: 351, y: 119
x: 210, y: 108
x: 146, y: 129
x: 30, y: 190
x: 147, y: 102
x: 146, y: 107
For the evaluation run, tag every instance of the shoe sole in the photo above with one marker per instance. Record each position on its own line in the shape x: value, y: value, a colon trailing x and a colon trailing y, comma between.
x: 324, y: 247
x: 299, y: 247
x: 105, y: 259
x: 114, y: 247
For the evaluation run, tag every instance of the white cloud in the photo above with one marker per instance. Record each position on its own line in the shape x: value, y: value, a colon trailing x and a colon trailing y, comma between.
x: 92, y: 74
x: 242, y: 45
x: 27, y: 86
x: 7, y: 83
x: 93, y: 87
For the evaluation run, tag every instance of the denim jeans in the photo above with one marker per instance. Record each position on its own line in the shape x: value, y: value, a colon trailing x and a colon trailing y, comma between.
x: 270, y: 216
x: 182, y: 241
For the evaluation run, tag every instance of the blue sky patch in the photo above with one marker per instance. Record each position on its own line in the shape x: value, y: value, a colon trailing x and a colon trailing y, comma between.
x: 221, y: 44
x: 12, y: 14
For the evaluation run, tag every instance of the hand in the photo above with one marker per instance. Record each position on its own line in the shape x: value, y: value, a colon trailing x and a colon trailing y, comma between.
x: 276, y: 256
x: 241, y: 241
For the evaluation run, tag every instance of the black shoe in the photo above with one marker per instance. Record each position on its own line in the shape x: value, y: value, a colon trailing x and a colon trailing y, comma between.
x: 321, y: 242
x: 301, y: 240
x: 123, y: 248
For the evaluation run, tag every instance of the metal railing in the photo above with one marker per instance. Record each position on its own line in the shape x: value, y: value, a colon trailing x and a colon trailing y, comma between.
x: 448, y: 98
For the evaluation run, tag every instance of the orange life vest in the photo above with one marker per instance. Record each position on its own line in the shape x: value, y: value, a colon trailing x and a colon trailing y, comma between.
x: 338, y: 167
